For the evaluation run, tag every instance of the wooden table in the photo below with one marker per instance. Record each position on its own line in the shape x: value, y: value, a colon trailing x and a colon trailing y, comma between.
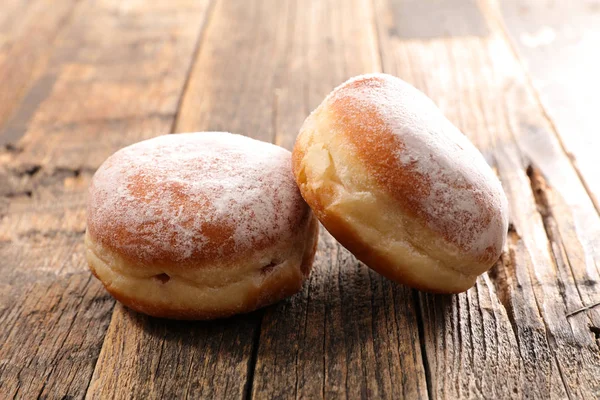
x: 81, y: 79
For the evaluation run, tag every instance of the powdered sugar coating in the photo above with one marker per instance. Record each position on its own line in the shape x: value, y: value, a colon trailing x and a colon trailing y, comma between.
x: 195, y: 196
x: 423, y: 160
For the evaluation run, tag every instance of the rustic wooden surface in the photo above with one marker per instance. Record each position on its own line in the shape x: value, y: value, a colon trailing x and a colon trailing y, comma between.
x: 81, y: 79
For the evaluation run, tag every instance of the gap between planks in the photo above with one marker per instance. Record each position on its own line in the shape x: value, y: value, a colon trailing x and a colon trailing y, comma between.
x: 201, y: 37
x: 253, y: 358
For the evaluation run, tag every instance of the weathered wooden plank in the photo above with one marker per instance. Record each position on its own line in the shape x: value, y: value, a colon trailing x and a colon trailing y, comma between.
x: 263, y: 94
x: 28, y: 33
x: 229, y: 89
x: 541, y: 31
x: 145, y: 358
x: 558, y: 43
x: 115, y: 76
x: 232, y: 85
x: 510, y: 335
x: 571, y: 223
x: 107, y: 83
x: 350, y: 332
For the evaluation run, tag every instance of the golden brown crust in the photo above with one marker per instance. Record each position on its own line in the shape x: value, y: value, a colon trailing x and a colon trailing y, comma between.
x: 272, y: 291
x: 346, y: 233
x: 378, y: 150
x: 229, y: 300
x: 365, y: 252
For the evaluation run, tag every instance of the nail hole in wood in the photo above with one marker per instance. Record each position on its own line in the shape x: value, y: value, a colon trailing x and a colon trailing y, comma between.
x: 163, y: 278
x: 32, y: 170
x: 27, y: 193
x: 589, y: 282
x: 11, y: 148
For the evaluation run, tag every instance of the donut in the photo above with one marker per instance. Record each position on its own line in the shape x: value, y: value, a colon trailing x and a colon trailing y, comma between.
x: 199, y: 226
x: 399, y: 186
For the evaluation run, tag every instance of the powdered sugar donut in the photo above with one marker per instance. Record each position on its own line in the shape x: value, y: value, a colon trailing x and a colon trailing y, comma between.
x: 400, y: 186
x: 199, y: 225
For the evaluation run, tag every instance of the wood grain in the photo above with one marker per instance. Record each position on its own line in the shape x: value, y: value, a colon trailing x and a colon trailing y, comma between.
x: 82, y: 79
x: 115, y: 75
x: 558, y: 44
x: 335, y: 353
x: 509, y: 336
x: 28, y: 34
x: 350, y: 332
x: 213, y: 359
x: 145, y: 358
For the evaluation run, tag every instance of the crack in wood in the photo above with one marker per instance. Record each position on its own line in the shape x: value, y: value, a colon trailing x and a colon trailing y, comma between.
x: 538, y: 186
x: 551, y: 346
x: 31, y: 170
x: 50, y: 233
x: 24, y: 193
x: 582, y: 309
x: 297, y: 348
x: 210, y: 11
x: 25, y: 180
x: 75, y: 172
x: 41, y: 173
x: 253, y: 357
x: 421, y: 331
x: 500, y: 274
x: 560, y: 256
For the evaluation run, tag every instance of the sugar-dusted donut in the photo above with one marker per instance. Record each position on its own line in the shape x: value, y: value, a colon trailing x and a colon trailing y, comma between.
x: 199, y: 225
x: 400, y: 186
